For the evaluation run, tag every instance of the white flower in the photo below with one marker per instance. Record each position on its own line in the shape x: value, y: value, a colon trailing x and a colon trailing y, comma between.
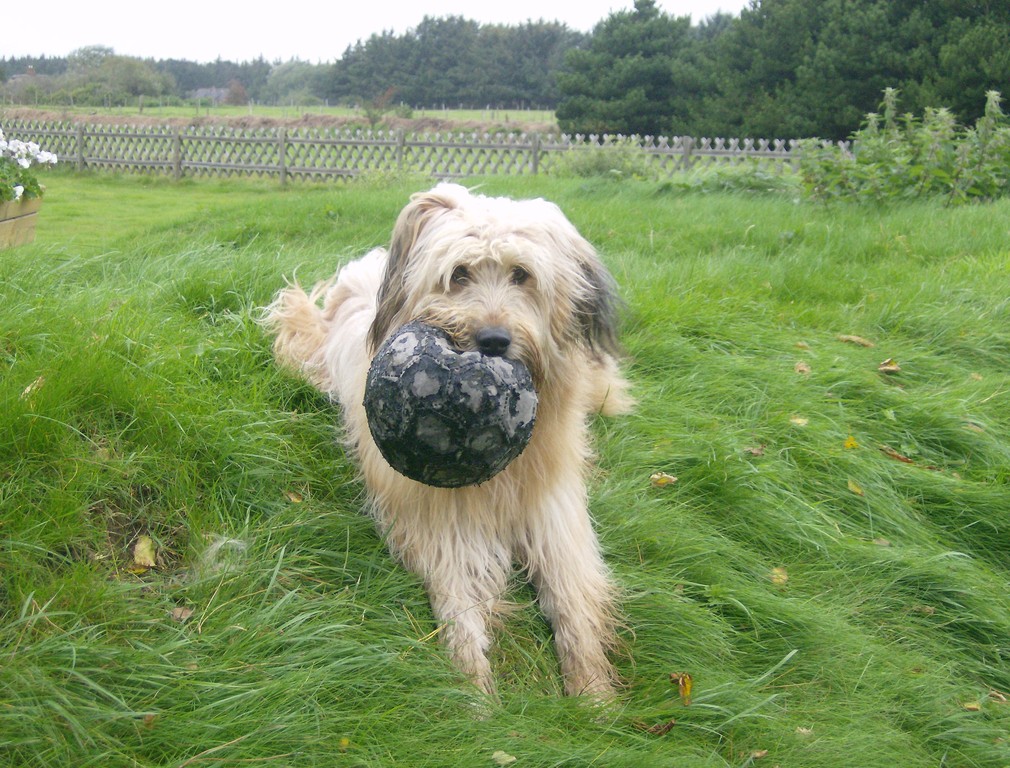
x: 22, y: 154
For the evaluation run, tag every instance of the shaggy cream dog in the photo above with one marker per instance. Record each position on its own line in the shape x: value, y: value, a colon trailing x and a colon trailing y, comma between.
x: 510, y: 278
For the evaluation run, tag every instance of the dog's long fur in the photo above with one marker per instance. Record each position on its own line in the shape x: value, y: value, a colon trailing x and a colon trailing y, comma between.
x: 466, y: 263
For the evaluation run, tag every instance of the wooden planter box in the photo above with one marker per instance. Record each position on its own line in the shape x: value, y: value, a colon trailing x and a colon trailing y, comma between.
x: 17, y: 222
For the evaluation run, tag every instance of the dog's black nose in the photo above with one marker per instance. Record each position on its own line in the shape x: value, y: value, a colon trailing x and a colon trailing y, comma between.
x: 493, y: 340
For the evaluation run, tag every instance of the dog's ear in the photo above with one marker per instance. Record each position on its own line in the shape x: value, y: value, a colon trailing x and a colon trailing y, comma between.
x: 596, y: 308
x: 422, y: 209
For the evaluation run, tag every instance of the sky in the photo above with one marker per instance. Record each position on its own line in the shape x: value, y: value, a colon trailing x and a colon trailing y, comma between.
x: 205, y: 30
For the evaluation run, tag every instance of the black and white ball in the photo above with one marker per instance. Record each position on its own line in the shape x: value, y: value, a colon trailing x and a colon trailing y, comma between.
x: 444, y: 417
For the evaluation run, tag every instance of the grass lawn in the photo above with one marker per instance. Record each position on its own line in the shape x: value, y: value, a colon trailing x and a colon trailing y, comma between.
x: 830, y: 567
x: 507, y: 118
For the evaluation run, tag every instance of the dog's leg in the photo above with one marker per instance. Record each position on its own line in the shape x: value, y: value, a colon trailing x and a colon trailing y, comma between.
x: 575, y: 591
x: 462, y: 619
x: 465, y: 570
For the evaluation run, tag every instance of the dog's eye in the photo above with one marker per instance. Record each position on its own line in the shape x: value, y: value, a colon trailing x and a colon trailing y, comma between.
x: 460, y: 276
x: 519, y: 276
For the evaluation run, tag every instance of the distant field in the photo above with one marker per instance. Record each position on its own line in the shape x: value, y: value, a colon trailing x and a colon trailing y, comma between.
x: 827, y: 384
x: 149, y: 111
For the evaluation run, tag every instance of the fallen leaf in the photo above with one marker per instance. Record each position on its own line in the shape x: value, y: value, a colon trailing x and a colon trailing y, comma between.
x: 890, y: 365
x: 998, y: 697
x: 503, y: 758
x: 893, y: 454
x: 661, y: 729
x: 799, y: 421
x: 684, y: 683
x: 144, y: 552
x: 850, y: 443
x: 972, y: 706
x: 858, y: 340
x: 802, y: 345
x: 800, y: 730
x: 882, y: 542
x: 976, y: 377
x: 802, y: 368
x: 661, y: 479
x: 181, y: 613
x: 294, y: 497
x: 755, y: 450
x: 854, y: 487
x: 780, y: 576
x: 149, y: 721
x: 757, y: 754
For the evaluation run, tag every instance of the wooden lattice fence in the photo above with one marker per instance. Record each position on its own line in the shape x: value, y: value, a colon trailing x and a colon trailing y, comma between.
x: 307, y: 153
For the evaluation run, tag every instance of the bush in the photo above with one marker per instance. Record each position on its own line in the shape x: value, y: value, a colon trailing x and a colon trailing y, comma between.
x: 911, y: 157
x: 621, y: 159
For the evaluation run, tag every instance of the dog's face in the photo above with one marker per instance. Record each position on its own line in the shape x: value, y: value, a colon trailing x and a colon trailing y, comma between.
x: 510, y: 278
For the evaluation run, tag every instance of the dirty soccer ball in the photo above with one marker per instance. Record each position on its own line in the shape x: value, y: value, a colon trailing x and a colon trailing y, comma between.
x: 444, y: 417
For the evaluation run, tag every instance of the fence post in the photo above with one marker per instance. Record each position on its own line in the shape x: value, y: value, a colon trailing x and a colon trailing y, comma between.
x: 282, y: 150
x: 401, y: 141
x: 177, y: 154
x: 535, y: 159
x: 688, y: 149
x: 79, y: 136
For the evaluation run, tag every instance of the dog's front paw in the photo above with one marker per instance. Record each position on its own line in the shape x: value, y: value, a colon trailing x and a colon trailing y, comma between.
x: 593, y: 681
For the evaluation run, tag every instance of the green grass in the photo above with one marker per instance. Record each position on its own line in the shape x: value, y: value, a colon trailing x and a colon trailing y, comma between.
x: 506, y: 117
x: 138, y: 397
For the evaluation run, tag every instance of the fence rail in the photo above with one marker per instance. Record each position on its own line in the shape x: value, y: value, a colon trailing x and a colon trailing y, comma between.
x: 306, y: 153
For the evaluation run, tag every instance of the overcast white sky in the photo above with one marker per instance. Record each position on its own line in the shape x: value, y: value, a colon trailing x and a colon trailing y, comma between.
x: 203, y: 30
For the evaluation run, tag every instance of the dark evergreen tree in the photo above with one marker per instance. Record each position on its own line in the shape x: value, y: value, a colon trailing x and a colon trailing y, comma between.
x: 622, y: 81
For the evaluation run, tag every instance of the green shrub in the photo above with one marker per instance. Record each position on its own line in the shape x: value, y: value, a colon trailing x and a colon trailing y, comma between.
x: 906, y: 156
x: 620, y: 159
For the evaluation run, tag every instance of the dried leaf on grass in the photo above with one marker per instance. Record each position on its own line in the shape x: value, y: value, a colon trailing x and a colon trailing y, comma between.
x: 685, y: 684
x: 854, y: 487
x: 661, y: 479
x: 779, y: 576
x: 802, y: 368
x: 181, y: 613
x: 659, y: 729
x: 503, y: 758
x: 857, y: 340
x: 893, y: 454
x: 890, y: 365
x: 144, y: 555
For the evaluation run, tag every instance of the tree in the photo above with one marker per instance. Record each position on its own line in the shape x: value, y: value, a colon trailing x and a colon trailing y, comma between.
x: 237, y: 96
x: 623, y: 80
x: 452, y: 61
x: 292, y: 82
x: 798, y: 68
